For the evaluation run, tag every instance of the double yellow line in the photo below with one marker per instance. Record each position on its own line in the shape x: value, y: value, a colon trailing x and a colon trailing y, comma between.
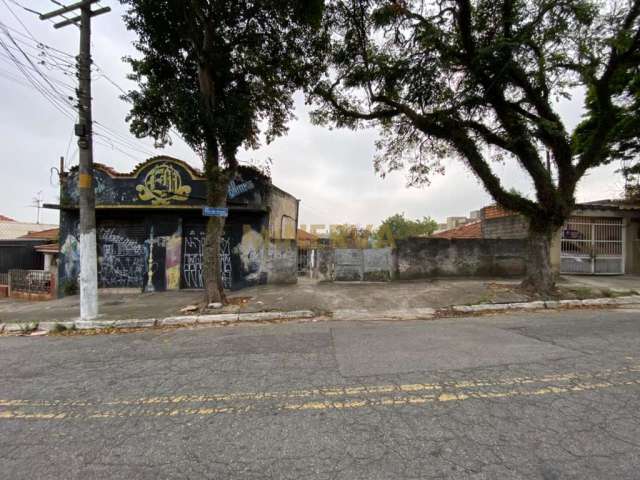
x: 324, y: 398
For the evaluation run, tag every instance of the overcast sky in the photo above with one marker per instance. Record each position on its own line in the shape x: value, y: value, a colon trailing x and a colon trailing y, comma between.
x: 331, y: 171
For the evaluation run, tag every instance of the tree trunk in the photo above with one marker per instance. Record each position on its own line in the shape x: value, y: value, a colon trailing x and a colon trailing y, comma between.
x: 217, y: 185
x: 540, y: 278
x: 212, y: 272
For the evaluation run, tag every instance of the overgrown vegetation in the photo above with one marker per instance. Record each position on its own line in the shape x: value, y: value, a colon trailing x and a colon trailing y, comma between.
x: 398, y: 227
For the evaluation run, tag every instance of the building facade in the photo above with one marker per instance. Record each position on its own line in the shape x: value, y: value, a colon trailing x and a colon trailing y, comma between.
x: 600, y: 238
x: 151, y: 228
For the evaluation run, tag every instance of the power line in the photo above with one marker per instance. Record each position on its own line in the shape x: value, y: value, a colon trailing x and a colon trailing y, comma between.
x: 56, y: 102
x: 54, y: 58
x: 36, y: 69
x: 35, y: 40
x: 24, y: 8
x: 55, y: 80
x: 18, y: 18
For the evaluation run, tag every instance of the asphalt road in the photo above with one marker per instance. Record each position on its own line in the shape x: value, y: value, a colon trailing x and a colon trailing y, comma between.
x: 536, y: 396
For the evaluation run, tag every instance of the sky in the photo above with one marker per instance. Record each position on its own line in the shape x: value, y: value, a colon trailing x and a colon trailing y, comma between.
x: 329, y: 170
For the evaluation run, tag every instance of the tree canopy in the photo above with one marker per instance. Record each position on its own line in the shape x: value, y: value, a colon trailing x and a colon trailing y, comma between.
x: 479, y: 80
x: 222, y: 73
x: 398, y: 227
x: 219, y: 72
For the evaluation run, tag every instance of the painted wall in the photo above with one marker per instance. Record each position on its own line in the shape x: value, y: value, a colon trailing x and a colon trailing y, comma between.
x: 162, y: 182
x: 430, y: 257
x: 354, y: 264
x: 150, y: 228
x: 283, y: 215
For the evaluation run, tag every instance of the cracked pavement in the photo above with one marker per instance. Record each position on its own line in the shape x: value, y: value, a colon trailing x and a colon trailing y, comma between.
x: 545, y: 395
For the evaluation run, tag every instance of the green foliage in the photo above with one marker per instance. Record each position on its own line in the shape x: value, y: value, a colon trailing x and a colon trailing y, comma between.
x: 70, y: 287
x: 223, y: 74
x: 349, y: 236
x: 480, y: 79
x: 397, y: 227
x: 219, y: 71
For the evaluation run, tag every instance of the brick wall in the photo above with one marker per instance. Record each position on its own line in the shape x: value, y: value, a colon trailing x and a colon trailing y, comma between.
x: 514, y: 226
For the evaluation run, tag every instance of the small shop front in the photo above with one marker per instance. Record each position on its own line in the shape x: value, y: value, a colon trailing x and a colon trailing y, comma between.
x: 151, y: 229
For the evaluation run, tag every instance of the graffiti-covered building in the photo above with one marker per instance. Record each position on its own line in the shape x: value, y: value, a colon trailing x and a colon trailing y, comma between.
x: 151, y: 228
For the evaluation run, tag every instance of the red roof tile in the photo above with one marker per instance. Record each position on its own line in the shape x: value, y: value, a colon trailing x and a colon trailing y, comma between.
x: 48, y: 248
x: 304, y: 235
x: 469, y: 230
x: 496, y: 211
x: 50, y: 234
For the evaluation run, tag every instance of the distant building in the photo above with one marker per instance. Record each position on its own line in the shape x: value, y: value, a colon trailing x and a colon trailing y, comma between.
x: 11, y: 229
x: 469, y: 230
x: 600, y: 238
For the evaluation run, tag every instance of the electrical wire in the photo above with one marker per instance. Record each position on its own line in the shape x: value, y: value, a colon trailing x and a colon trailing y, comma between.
x: 52, y: 58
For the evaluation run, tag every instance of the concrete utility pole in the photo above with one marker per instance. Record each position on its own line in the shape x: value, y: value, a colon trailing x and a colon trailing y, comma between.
x: 83, y: 130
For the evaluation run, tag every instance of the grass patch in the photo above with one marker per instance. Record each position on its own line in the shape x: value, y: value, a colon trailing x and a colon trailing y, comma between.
x: 581, y: 293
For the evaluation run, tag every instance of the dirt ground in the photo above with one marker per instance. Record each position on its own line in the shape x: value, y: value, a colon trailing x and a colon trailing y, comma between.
x: 320, y: 297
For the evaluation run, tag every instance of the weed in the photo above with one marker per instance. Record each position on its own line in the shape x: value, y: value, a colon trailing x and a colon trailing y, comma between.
x: 26, y: 328
x: 583, y: 293
x: 59, y: 328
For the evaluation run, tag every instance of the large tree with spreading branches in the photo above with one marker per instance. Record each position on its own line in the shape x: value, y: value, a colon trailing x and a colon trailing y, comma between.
x: 222, y: 73
x: 479, y: 80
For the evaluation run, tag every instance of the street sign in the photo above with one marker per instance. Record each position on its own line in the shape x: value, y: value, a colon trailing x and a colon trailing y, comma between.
x: 215, y: 212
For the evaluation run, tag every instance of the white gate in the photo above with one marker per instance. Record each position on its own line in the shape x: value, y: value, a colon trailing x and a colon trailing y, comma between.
x: 592, y: 245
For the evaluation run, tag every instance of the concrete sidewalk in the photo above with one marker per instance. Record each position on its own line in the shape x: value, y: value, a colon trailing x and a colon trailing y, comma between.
x: 320, y: 298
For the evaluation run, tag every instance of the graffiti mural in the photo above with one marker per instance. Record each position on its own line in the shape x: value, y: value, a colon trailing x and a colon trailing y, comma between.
x: 225, y: 262
x: 151, y: 230
x: 70, y: 257
x: 162, y: 184
x: 193, y: 255
x: 121, y: 258
x: 172, y: 263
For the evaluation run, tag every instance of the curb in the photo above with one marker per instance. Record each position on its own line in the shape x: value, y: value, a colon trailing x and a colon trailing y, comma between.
x: 184, y: 320
x: 345, y: 314
x: 541, y: 305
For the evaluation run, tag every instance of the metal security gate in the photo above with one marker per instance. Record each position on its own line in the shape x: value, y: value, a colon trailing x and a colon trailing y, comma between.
x: 592, y: 245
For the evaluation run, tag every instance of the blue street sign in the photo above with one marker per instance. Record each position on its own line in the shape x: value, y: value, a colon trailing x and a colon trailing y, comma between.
x: 215, y: 212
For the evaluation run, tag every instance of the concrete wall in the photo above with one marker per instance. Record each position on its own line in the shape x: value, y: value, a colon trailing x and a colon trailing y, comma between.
x: 428, y: 257
x: 378, y: 264
x: 349, y: 264
x: 514, y: 226
x: 281, y: 261
x: 283, y: 215
x: 353, y: 264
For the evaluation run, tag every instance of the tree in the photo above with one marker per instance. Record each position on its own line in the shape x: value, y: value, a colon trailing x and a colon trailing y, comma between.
x: 349, y: 236
x: 221, y: 73
x: 397, y: 227
x: 477, y: 79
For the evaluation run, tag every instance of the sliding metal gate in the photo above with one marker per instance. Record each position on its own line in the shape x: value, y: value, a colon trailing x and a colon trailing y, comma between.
x: 592, y: 245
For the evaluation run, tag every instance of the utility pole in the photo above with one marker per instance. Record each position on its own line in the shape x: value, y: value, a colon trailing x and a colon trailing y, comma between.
x: 83, y: 130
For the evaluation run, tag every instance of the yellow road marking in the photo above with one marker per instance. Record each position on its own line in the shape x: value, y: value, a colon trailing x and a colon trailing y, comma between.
x: 320, y: 398
x: 318, y: 405
x: 334, y: 391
